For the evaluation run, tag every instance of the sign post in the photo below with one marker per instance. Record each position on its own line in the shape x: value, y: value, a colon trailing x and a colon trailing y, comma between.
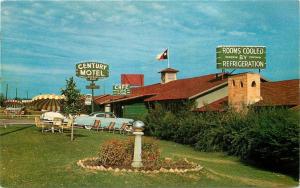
x: 241, y: 57
x: 92, y: 71
x: 92, y: 86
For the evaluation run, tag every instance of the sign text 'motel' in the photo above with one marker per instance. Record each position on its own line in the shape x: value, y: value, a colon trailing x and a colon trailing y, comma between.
x: 241, y: 57
x: 92, y: 71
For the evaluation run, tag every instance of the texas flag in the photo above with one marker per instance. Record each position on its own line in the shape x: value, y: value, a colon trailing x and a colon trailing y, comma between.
x: 163, y: 55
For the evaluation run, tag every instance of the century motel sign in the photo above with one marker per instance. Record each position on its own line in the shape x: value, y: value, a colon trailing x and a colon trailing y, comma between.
x: 92, y: 71
x: 241, y: 57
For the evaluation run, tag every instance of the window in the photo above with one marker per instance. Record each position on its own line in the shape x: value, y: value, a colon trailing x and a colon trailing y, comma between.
x: 242, y: 85
x: 100, y: 115
x: 233, y: 83
x: 253, y: 84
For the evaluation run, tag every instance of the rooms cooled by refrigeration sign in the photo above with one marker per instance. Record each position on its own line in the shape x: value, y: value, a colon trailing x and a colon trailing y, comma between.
x: 241, y: 57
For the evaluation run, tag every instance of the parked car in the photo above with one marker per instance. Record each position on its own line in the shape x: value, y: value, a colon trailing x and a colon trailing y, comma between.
x: 105, y: 117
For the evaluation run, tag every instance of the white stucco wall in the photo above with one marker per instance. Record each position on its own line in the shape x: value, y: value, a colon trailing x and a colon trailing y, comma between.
x: 211, y: 97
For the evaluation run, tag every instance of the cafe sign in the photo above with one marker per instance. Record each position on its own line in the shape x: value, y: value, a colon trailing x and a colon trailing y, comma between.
x: 121, y: 89
x: 92, y: 71
x: 241, y: 57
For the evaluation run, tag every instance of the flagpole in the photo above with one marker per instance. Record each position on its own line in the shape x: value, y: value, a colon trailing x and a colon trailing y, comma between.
x: 168, y: 57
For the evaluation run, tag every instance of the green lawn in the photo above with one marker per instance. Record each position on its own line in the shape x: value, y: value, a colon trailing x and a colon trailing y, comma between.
x: 32, y: 159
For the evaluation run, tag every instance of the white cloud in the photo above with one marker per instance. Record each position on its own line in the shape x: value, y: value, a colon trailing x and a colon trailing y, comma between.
x: 6, y: 12
x: 28, y: 11
x: 158, y: 6
x: 114, y: 19
x: 37, y: 5
x: 50, y: 12
x: 89, y: 17
x: 24, y: 52
x: 130, y: 9
x: 22, y: 69
x: 208, y: 10
x: 240, y: 33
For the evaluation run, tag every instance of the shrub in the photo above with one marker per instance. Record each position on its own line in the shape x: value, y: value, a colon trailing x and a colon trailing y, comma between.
x: 160, y: 123
x: 154, y: 120
x: 150, y: 152
x: 273, y: 139
x: 265, y: 136
x: 268, y: 137
x: 115, y: 153
x: 190, y: 126
x: 120, y: 152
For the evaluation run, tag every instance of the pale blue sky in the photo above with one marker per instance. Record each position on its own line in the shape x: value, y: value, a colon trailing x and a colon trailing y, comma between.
x: 41, y: 41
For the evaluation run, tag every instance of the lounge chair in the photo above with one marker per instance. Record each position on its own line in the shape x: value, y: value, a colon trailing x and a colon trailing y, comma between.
x: 121, y: 129
x: 128, y: 129
x: 111, y: 127
x: 67, y: 126
x: 42, y: 125
x: 97, y: 125
x: 124, y: 128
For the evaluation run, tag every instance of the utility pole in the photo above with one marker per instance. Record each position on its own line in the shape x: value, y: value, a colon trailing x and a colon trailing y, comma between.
x: 93, y: 97
x: 27, y: 95
x: 16, y: 93
x: 6, y: 91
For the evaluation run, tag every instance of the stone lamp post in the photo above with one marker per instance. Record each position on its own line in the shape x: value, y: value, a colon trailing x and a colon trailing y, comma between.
x: 138, y: 127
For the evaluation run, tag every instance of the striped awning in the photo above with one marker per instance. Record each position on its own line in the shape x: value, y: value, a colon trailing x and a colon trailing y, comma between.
x: 48, y: 102
x: 49, y: 96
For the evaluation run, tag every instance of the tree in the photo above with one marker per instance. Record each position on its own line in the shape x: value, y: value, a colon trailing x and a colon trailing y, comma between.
x: 74, y: 103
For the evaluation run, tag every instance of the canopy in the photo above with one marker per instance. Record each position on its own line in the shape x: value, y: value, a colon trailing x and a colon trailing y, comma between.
x: 48, y: 102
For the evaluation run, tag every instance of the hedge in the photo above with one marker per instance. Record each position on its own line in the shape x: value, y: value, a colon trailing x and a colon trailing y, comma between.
x: 267, y: 137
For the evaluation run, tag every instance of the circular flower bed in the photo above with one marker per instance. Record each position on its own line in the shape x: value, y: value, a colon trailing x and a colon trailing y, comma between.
x: 167, y: 166
x: 117, y: 155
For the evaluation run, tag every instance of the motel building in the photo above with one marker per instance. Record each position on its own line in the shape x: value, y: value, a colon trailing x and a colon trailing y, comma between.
x: 212, y: 92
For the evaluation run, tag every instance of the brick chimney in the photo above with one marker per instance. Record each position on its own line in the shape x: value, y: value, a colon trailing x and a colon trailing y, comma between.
x: 168, y: 75
x: 243, y: 90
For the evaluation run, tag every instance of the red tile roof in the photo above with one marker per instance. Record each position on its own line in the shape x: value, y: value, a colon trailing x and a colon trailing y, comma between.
x: 273, y: 93
x: 187, y: 88
x: 285, y: 93
x: 103, y: 99
x: 146, y: 90
x: 174, y: 90
x: 281, y: 93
